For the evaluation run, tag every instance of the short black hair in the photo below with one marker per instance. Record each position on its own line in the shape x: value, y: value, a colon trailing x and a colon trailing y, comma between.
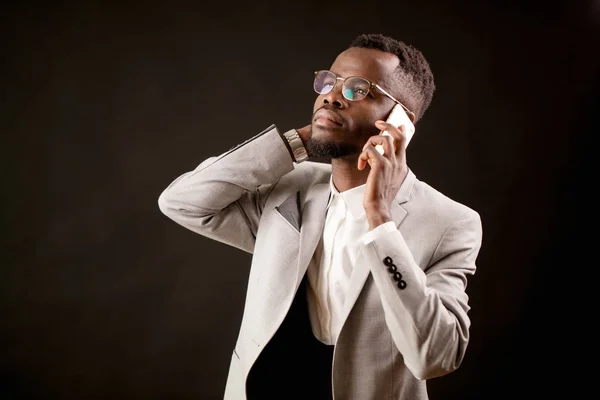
x: 413, y: 73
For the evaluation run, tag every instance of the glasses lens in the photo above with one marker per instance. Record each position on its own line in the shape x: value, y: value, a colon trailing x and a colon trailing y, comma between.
x: 324, y: 82
x: 355, y: 89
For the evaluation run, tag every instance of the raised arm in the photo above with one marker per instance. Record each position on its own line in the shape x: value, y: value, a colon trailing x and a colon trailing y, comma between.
x: 223, y: 197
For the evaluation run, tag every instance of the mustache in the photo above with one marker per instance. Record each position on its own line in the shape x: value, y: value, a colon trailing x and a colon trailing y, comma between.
x: 331, y: 110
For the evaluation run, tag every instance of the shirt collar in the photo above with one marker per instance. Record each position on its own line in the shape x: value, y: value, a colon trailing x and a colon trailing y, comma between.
x: 352, y: 198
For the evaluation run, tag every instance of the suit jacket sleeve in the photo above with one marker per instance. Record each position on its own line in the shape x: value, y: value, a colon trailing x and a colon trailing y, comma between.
x: 428, y: 319
x: 224, y: 196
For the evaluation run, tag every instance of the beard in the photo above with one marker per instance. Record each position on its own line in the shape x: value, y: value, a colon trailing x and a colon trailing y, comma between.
x: 327, y: 149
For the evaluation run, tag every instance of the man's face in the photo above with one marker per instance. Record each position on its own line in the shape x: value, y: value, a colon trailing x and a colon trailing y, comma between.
x: 355, y: 120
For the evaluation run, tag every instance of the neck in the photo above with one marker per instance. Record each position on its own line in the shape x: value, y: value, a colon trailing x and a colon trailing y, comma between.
x: 345, y: 173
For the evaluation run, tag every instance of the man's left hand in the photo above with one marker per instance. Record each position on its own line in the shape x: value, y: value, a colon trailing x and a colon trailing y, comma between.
x: 388, y: 171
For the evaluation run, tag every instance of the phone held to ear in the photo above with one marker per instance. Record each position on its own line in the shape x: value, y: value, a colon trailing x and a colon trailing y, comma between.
x: 397, y: 118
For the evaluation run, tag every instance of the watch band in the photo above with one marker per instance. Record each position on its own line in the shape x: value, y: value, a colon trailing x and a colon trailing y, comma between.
x: 298, y: 149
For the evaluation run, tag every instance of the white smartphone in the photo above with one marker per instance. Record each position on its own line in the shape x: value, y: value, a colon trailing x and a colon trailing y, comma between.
x: 397, y: 118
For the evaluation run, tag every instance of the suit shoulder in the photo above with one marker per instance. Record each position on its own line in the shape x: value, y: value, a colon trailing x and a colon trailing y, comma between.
x: 310, y: 172
x: 439, y: 205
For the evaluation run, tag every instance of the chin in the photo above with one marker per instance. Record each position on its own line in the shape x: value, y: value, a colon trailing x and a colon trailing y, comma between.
x: 328, y: 145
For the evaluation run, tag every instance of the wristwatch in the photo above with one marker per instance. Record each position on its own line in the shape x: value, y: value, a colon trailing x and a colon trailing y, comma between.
x: 296, y: 145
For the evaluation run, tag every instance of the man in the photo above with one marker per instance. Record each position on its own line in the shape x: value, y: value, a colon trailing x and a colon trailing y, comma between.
x: 357, y: 286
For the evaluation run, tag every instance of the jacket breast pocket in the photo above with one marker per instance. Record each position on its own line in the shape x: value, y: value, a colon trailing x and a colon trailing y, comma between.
x: 288, y: 219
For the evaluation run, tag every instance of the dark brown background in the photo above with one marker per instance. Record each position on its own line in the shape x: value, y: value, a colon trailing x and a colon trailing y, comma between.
x: 103, y: 105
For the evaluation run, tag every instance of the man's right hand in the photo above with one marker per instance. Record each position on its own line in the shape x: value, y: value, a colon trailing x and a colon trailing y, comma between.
x: 304, y: 134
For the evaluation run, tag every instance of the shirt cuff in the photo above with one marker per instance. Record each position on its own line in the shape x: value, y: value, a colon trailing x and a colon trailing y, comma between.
x: 382, y: 229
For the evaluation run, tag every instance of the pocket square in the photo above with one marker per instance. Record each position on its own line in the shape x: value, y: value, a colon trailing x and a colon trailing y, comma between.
x: 290, y: 209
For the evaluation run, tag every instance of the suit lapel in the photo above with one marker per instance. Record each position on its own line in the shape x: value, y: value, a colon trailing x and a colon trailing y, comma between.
x: 308, y: 217
x: 313, y: 217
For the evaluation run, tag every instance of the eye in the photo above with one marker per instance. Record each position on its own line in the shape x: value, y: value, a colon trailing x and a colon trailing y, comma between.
x: 327, y: 86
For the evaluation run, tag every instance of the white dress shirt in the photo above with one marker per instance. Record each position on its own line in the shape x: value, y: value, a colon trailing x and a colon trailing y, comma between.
x: 330, y: 269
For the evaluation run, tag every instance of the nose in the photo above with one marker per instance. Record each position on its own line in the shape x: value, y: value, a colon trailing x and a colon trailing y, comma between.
x: 335, y: 97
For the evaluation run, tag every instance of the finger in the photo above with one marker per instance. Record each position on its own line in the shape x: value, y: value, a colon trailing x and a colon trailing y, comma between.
x: 380, y: 148
x: 384, y: 144
x: 368, y: 156
x: 398, y: 133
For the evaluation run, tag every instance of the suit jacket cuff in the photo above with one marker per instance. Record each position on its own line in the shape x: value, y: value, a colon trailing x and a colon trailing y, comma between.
x: 383, y: 229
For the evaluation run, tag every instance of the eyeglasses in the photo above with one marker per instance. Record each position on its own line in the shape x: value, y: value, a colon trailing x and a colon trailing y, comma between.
x: 354, y: 88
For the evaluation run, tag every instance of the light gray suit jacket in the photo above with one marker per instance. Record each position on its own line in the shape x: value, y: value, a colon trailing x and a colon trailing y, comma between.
x: 253, y: 197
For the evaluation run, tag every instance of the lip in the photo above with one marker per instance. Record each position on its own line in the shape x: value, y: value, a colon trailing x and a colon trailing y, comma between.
x: 328, y: 117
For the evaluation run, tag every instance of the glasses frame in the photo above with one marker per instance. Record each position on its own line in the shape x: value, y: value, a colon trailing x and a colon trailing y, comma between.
x: 371, y: 86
